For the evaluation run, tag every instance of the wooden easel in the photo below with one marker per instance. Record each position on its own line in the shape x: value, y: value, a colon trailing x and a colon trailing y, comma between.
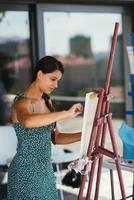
x: 102, y: 119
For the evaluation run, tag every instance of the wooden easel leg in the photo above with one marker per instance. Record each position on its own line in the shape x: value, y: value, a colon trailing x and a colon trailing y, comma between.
x: 82, y: 185
x: 92, y: 139
x: 117, y: 159
x: 88, y: 196
x: 98, y: 178
x: 101, y: 136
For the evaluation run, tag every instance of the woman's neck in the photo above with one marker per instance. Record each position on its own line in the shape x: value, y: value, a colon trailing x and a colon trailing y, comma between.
x: 33, y: 92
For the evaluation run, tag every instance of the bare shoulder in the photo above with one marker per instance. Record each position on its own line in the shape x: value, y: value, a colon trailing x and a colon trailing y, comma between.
x: 20, y: 109
x: 23, y: 105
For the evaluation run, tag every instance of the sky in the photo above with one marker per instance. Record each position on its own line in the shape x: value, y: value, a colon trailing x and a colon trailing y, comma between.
x: 61, y: 26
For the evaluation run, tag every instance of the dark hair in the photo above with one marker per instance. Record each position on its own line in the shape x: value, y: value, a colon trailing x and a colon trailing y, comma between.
x: 48, y: 64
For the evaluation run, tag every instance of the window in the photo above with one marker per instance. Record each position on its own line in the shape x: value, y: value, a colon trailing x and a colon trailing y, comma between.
x: 15, y: 61
x: 82, y: 41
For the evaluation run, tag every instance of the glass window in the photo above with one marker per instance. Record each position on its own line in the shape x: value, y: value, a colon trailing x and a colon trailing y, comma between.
x: 15, y: 62
x: 82, y: 41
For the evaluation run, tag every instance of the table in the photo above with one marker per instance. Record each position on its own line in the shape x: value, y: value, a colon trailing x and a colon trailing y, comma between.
x: 59, y: 156
x: 126, y: 165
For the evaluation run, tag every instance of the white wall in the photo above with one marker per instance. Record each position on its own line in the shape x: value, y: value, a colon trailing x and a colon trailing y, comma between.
x: 8, y: 144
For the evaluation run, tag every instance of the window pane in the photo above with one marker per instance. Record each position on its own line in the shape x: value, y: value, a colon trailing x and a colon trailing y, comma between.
x: 82, y: 41
x: 15, y: 62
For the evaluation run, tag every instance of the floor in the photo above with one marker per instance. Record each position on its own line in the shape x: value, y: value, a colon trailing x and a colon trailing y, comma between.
x: 105, y: 189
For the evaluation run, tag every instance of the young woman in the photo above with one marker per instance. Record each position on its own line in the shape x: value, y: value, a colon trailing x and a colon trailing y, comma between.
x: 30, y: 175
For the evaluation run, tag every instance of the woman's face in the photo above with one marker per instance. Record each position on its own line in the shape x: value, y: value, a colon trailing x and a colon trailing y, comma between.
x: 49, y: 81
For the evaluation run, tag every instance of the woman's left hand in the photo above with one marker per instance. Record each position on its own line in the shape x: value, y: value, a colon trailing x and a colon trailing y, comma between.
x: 75, y: 110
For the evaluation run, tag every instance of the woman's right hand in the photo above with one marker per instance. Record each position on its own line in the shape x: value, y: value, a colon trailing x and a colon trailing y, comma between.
x: 75, y: 110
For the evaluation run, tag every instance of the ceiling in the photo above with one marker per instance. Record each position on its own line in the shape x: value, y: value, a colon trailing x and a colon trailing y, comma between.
x: 88, y: 2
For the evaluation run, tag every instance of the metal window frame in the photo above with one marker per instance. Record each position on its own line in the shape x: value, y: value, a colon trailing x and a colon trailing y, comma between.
x: 13, y: 7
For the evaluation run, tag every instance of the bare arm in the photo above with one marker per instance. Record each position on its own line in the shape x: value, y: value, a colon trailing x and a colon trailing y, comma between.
x: 27, y: 118
x: 66, y: 138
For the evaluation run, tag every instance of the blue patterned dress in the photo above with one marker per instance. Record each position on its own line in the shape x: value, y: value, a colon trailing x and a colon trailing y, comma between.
x: 31, y: 175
